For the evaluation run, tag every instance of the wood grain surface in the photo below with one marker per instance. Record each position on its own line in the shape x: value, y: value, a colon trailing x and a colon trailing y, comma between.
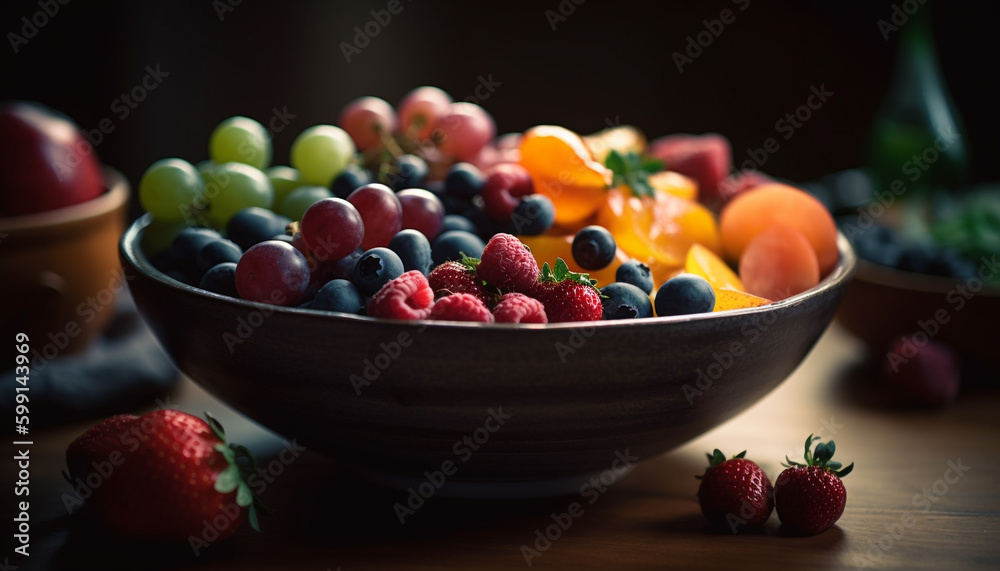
x: 925, y: 494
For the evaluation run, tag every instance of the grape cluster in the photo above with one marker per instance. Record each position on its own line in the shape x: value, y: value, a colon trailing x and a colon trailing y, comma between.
x: 387, y: 190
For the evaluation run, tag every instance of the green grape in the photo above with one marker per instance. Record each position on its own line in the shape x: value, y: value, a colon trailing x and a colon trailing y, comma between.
x: 169, y: 189
x: 321, y: 152
x: 284, y: 180
x: 240, y: 140
x: 158, y: 235
x: 296, y: 203
x: 231, y: 187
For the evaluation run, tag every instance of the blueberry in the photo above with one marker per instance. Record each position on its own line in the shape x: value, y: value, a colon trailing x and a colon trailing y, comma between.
x: 220, y: 279
x: 413, y: 249
x: 533, y: 215
x: 684, y: 294
x: 375, y: 268
x: 636, y: 273
x: 458, y: 222
x: 411, y: 171
x: 594, y: 248
x: 463, y: 180
x: 451, y: 245
x: 625, y: 301
x: 338, y: 295
x: 915, y: 258
x: 254, y: 225
x: 218, y: 252
x: 342, y: 269
x: 486, y: 225
x: 187, y: 243
x: 349, y: 180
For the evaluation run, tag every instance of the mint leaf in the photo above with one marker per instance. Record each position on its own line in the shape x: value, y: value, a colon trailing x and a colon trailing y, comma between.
x: 633, y: 170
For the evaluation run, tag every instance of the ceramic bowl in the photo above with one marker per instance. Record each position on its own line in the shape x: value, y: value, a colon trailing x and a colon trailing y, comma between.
x: 884, y: 303
x: 61, y: 272
x: 501, y: 410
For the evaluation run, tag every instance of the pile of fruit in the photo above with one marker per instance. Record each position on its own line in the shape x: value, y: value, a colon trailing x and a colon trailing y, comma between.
x: 421, y: 212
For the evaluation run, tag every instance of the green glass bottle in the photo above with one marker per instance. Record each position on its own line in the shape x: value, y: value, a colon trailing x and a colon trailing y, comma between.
x: 917, y: 136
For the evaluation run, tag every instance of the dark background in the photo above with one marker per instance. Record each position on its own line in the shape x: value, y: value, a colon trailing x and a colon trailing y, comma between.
x: 608, y: 61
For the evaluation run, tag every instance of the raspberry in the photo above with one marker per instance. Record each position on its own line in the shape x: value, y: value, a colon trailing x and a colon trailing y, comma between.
x: 519, y: 308
x: 505, y: 184
x: 461, y: 307
x: 407, y: 297
x: 455, y: 277
x: 928, y: 374
x: 507, y: 264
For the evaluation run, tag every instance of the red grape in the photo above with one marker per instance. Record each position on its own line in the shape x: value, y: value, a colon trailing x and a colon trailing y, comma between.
x: 505, y: 184
x: 381, y: 212
x: 365, y: 119
x: 273, y: 272
x: 420, y: 109
x: 422, y: 211
x: 465, y: 129
x: 332, y: 228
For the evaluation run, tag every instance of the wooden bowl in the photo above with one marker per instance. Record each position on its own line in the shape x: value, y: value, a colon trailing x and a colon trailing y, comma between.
x: 884, y: 303
x: 61, y: 273
x: 501, y: 410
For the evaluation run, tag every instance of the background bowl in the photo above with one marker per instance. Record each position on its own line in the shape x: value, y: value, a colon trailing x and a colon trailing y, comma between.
x: 884, y: 303
x: 398, y: 400
x: 60, y: 270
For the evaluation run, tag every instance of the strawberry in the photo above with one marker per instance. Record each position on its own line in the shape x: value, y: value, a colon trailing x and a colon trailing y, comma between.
x: 164, y: 475
x: 810, y: 497
x: 507, y: 264
x: 566, y: 295
x: 459, y: 277
x: 734, y: 492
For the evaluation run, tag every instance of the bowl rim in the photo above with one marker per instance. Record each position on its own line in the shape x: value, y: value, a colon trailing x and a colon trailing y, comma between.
x: 894, y: 278
x: 116, y: 193
x: 130, y: 251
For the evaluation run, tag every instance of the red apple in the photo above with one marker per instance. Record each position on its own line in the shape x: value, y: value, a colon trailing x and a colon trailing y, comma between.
x: 45, y: 161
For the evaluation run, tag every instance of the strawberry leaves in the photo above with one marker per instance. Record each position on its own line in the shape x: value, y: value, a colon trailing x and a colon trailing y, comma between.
x: 562, y: 273
x: 821, y: 457
x: 633, y: 170
x: 716, y: 458
x: 236, y: 475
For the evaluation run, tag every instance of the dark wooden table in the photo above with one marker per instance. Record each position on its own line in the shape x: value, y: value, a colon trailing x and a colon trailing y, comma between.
x: 925, y: 494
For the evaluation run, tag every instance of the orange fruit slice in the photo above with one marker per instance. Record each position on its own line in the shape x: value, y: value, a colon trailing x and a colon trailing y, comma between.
x: 675, y: 183
x: 624, y: 139
x: 731, y: 299
x: 705, y: 263
x: 657, y: 230
x: 562, y: 168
